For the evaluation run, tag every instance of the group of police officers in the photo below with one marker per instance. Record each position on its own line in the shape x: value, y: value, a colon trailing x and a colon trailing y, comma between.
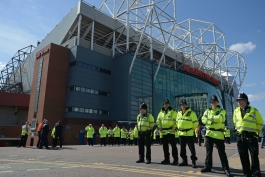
x: 247, y: 121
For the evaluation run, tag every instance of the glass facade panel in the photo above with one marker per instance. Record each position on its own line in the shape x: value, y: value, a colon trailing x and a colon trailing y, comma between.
x: 173, y: 85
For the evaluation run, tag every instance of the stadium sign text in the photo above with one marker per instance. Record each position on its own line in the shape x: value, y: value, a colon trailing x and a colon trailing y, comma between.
x: 201, y: 74
x: 41, y: 53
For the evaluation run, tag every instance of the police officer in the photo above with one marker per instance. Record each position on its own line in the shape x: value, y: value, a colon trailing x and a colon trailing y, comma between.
x: 110, y: 136
x: 24, y: 135
x: 227, y: 135
x: 89, y: 134
x: 166, y: 122
x: 117, y: 135
x: 214, y: 119
x: 145, y: 124
x: 187, y: 122
x: 103, y: 133
x: 248, y: 122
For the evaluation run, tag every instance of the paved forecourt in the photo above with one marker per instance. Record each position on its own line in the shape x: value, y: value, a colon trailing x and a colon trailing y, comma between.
x: 107, y: 161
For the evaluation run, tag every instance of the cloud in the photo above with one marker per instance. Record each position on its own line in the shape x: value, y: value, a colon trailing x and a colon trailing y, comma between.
x: 2, y: 65
x: 250, y: 85
x: 256, y: 97
x: 262, y: 83
x: 243, y: 47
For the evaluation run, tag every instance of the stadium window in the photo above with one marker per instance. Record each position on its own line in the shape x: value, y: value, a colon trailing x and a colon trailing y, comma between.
x: 100, y: 112
x: 95, y: 111
x: 81, y: 109
x: 79, y: 63
x: 92, y: 91
x: 72, y: 63
x: 91, y: 111
x: 94, y: 68
x: 71, y: 88
x: 76, y: 109
x: 88, y: 90
x: 96, y: 92
x: 86, y: 110
x: 88, y: 66
x: 77, y: 88
x: 83, y: 89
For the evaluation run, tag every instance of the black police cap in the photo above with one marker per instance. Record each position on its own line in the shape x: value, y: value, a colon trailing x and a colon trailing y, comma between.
x: 166, y: 101
x: 242, y: 96
x: 183, y: 101
x: 213, y: 98
x: 143, y: 106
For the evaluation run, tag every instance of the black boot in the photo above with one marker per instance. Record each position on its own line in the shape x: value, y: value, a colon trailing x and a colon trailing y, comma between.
x: 206, y: 169
x: 194, y: 164
x: 175, y: 162
x: 183, y: 163
x: 165, y: 161
x: 227, y: 172
x: 140, y: 161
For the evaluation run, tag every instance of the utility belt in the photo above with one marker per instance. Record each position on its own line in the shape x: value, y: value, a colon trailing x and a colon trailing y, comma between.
x: 220, y: 130
x: 246, y: 134
x: 167, y: 128
x: 144, y: 132
x: 185, y: 130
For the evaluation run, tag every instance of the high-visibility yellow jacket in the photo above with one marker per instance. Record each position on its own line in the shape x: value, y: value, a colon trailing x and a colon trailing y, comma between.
x: 117, y: 132
x: 130, y: 135
x: 154, y: 134
x: 145, y: 122
x: 196, y: 133
x: 227, y: 132
x: 89, y: 132
x: 251, y: 122
x: 24, y: 130
x: 214, y: 122
x: 124, y: 133
x: 187, y: 122
x: 176, y: 134
x: 166, y: 120
x: 103, y: 132
x: 110, y: 133
x: 135, y: 132
x: 53, y: 133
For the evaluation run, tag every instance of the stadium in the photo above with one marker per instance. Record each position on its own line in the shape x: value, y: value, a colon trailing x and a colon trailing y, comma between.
x: 99, y: 63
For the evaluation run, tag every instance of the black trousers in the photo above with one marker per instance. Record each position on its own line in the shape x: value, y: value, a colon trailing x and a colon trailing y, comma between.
x: 227, y: 140
x: 117, y: 140
x: 60, y: 139
x: 123, y: 141
x: 22, y: 141
x: 221, y: 151
x: 111, y: 141
x: 130, y: 142
x: 103, y: 141
x: 135, y: 141
x: 89, y: 141
x: 170, y: 139
x: 157, y: 139
x: 252, y: 146
x: 144, y: 139
x: 187, y: 140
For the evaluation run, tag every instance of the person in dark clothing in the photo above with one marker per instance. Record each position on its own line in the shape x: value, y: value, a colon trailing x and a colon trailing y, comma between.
x: 44, y: 135
x: 58, y: 133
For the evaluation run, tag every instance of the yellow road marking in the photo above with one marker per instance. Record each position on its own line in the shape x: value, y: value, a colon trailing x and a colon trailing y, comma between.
x: 198, y: 172
x: 109, y: 167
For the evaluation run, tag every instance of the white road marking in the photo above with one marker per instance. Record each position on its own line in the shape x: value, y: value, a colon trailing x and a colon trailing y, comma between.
x: 13, y: 155
x: 232, y: 156
x: 38, y: 169
x: 40, y: 156
x: 71, y: 167
x: 6, y: 171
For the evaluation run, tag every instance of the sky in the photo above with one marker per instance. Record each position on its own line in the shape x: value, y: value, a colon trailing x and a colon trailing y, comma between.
x: 23, y: 23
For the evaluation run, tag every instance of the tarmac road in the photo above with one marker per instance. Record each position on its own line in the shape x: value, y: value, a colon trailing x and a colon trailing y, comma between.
x: 113, y: 161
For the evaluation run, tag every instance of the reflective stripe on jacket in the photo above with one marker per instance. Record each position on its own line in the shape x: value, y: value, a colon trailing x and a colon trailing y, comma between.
x: 214, y: 119
x: 251, y: 122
